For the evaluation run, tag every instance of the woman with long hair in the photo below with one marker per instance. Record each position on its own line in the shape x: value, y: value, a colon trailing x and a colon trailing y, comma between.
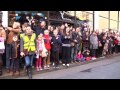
x: 66, y: 46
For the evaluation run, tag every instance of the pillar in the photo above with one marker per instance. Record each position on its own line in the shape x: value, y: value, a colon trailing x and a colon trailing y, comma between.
x: 5, y: 18
x: 96, y: 20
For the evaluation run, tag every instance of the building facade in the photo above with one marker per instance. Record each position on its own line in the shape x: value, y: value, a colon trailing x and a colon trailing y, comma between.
x: 96, y: 19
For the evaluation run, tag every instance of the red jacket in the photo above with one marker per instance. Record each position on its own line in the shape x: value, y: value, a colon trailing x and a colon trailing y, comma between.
x: 116, y: 42
x: 47, y: 40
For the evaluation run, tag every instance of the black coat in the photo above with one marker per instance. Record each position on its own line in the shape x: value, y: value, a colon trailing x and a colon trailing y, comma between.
x: 56, y: 43
x: 39, y: 30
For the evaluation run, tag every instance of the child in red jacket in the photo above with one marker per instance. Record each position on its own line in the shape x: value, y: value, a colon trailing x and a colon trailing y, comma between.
x: 47, y: 41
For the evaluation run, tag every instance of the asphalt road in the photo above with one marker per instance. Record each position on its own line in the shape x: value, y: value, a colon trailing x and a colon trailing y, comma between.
x: 105, y: 69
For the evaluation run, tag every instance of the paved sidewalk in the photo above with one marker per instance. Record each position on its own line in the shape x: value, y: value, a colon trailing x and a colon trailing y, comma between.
x: 22, y: 73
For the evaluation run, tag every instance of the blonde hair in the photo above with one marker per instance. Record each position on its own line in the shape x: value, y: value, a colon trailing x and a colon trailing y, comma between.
x: 40, y: 36
x: 17, y: 24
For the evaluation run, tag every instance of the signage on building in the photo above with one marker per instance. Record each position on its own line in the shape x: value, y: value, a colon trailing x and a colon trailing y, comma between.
x: 62, y: 15
x: 84, y: 16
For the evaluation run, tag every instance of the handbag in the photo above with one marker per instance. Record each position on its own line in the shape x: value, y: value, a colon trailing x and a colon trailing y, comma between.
x: 72, y: 44
x: 2, y: 45
x: 44, y: 54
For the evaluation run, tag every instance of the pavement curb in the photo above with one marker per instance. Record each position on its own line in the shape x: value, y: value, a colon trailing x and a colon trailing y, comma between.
x: 22, y: 74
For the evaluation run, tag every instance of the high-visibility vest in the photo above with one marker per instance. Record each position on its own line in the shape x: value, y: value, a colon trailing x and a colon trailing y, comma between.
x: 21, y: 35
x: 29, y: 44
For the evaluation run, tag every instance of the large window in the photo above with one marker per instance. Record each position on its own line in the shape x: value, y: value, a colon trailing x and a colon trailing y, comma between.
x: 113, y: 24
x: 89, y: 11
x: 104, y: 13
x: 114, y: 15
x: 103, y: 23
x: 119, y: 26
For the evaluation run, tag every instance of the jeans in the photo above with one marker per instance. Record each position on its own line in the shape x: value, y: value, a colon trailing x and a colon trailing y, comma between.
x: 29, y: 60
x: 0, y: 61
x: 73, y: 53
x: 8, y: 54
x: 14, y: 65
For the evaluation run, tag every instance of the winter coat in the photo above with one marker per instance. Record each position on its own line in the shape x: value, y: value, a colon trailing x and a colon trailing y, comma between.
x: 42, y: 51
x: 47, y: 41
x: 79, y: 56
x: 56, y: 43
x: 93, y: 42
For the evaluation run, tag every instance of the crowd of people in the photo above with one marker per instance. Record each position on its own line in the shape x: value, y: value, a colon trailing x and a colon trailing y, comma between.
x: 45, y: 46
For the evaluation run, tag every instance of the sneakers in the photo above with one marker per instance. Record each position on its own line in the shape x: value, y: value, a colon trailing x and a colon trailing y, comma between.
x: 40, y: 68
x: 68, y: 65
x: 48, y: 66
x: 94, y: 58
x: 37, y: 69
x: 56, y: 67
x: 45, y: 67
x: 63, y: 64
x: 53, y: 64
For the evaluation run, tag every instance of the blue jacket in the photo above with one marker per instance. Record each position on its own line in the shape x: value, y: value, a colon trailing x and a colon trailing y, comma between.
x: 56, y: 43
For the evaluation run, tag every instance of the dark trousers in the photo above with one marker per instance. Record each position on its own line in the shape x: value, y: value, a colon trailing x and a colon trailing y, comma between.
x: 93, y: 52
x: 66, y: 55
x: 8, y: 54
x: 116, y: 48
x: 51, y: 56
x: 60, y: 53
x: 56, y: 57
x: 73, y: 50
x: 0, y: 61
x: 14, y: 65
x: 99, y: 52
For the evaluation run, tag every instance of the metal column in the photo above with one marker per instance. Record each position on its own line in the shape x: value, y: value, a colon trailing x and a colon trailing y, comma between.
x: 93, y: 20
x: 109, y: 20
x: 118, y: 21
x: 48, y: 19
x: 75, y: 18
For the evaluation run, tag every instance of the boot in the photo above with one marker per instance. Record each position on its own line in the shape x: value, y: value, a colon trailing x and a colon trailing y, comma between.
x: 0, y: 71
x: 30, y: 72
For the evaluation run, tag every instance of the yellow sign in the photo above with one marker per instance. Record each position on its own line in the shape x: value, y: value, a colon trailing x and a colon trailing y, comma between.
x: 83, y: 15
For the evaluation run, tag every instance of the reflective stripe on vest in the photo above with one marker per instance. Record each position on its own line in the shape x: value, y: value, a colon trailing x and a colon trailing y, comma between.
x: 29, y: 44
